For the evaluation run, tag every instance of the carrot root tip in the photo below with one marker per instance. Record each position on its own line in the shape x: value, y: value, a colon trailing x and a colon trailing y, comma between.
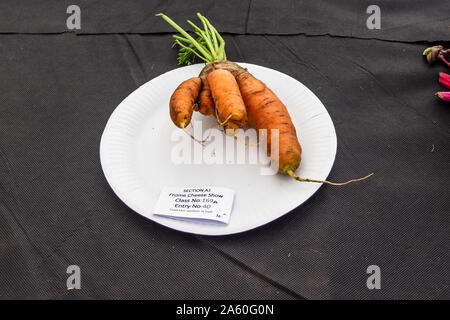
x: 293, y: 175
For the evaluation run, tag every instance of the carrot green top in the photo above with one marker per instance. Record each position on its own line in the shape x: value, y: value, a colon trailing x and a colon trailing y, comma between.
x: 209, y: 45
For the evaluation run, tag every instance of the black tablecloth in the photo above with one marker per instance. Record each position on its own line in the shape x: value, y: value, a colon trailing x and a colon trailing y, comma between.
x: 58, y: 88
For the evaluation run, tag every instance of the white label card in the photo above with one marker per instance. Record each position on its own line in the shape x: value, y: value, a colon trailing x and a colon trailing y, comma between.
x: 211, y: 204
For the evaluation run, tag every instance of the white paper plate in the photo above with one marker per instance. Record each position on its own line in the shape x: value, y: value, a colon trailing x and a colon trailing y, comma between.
x: 136, y: 148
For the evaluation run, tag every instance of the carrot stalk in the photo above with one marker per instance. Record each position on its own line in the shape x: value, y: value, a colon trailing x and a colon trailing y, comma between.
x: 190, y: 49
x: 198, y: 46
x: 204, y: 35
x: 210, y: 30
x: 180, y: 38
x: 209, y: 46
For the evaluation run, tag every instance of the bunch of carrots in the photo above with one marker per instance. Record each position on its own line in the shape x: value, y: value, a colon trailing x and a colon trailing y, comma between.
x: 233, y: 95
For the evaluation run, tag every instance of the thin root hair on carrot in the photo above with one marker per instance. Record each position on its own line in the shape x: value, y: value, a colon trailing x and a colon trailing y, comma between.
x: 239, y: 139
x: 225, y: 121
x: 194, y: 138
x: 245, y: 143
x: 293, y: 175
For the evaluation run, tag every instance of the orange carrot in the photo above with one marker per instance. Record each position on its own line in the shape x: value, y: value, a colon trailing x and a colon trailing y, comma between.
x: 266, y: 111
x: 183, y: 100
x: 205, y: 100
x: 230, y: 107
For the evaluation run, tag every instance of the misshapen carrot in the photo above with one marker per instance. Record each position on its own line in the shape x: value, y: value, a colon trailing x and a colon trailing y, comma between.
x: 183, y: 100
x: 230, y: 107
x: 205, y: 103
x: 266, y: 111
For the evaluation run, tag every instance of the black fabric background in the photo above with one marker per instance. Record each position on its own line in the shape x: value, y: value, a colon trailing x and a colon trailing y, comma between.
x: 58, y: 89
